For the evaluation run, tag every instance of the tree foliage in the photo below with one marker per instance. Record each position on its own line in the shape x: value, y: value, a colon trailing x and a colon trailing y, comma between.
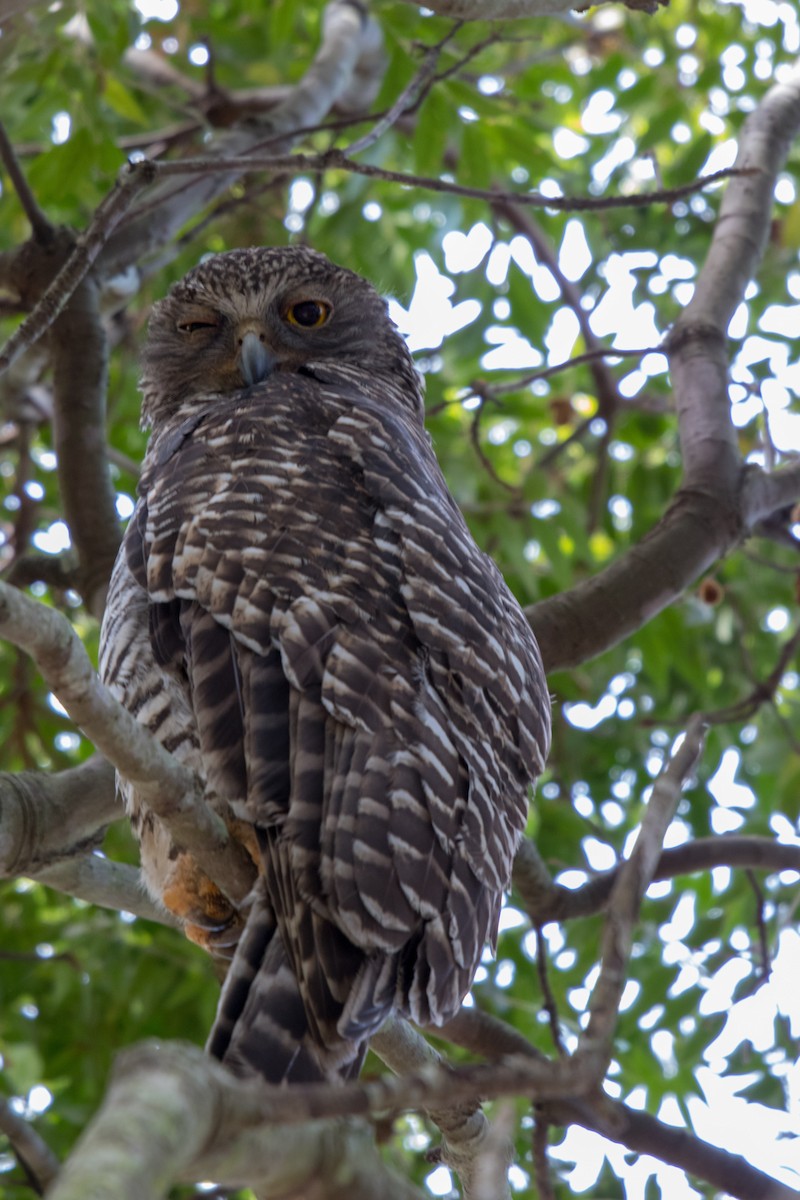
x: 530, y: 195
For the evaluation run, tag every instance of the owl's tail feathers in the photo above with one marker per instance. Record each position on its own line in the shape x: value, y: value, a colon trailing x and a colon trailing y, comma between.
x: 261, y: 1026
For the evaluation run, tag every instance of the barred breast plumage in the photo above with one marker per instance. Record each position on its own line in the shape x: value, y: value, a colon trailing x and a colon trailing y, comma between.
x: 300, y: 613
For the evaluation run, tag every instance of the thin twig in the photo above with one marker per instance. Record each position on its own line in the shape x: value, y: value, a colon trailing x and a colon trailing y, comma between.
x: 548, y: 998
x: 608, y: 397
x: 515, y: 385
x: 408, y: 96
x: 764, y: 965
x: 632, y: 881
x: 43, y: 231
x: 541, y: 1160
x: 485, y: 461
x: 335, y: 159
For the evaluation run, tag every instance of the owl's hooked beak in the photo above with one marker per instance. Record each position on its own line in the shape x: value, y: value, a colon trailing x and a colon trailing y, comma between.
x: 255, y: 360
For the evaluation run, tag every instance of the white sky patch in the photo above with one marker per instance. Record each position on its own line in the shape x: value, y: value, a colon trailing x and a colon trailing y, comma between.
x: 511, y: 918
x: 585, y: 716
x: 723, y: 786
x: 568, y: 144
x: 777, y: 620
x: 681, y: 923
x: 157, y: 10
x: 541, y: 277
x: 785, y: 191
x: 198, y: 55
x: 62, y: 125
x: 599, y: 855
x: 439, y: 1182
x: 631, y: 325
x: 498, y: 264
x: 561, y: 336
x: 512, y: 351
x: 466, y: 251
x: 39, y: 1099
x: 54, y: 540
x: 430, y: 316
x: 621, y: 151
x: 124, y: 505
x: 720, y: 158
x: 781, y: 319
x: 574, y: 255
x: 597, y: 116
x: 673, y: 267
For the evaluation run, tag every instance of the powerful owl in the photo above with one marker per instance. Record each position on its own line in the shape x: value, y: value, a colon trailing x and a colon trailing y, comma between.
x: 299, y: 613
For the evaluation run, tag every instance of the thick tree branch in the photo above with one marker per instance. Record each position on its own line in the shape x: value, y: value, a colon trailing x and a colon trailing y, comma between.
x: 79, y: 354
x: 105, y: 883
x: 47, y: 818
x: 598, y: 613
x: 719, y: 501
x: 169, y: 789
x: 49, y: 826
x: 160, y: 1087
x: 546, y: 901
x: 502, y: 10
x: 697, y: 344
x: 172, y: 202
x: 199, y: 1121
x: 765, y: 492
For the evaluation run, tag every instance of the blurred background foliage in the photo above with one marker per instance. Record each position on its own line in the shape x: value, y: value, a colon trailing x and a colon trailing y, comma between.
x: 605, y: 104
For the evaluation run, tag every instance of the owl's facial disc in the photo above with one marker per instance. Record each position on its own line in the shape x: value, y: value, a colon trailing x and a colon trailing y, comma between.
x: 255, y: 360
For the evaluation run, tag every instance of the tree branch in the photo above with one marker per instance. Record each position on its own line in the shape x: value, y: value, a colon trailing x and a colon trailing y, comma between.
x: 696, y: 346
x: 638, y: 1131
x: 132, y: 179
x: 167, y: 788
x: 718, y: 500
x: 47, y: 818
x: 336, y: 160
x: 36, y: 1157
x: 464, y: 1127
x: 199, y: 1121
x: 502, y: 10
x: 525, y: 225
x: 602, y: 611
x: 41, y: 228
x: 172, y: 203
x: 105, y: 883
x: 545, y: 901
x: 79, y: 352
x: 632, y: 881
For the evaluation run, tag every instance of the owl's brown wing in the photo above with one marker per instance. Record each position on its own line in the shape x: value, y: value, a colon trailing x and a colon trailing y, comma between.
x: 365, y: 691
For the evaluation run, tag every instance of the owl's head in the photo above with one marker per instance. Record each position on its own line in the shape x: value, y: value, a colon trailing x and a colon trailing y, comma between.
x: 238, y: 317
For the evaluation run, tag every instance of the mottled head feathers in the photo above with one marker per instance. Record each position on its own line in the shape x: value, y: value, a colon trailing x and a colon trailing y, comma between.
x: 305, y: 311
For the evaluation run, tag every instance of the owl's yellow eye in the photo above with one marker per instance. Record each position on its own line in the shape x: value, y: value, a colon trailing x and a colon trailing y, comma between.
x: 308, y: 314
